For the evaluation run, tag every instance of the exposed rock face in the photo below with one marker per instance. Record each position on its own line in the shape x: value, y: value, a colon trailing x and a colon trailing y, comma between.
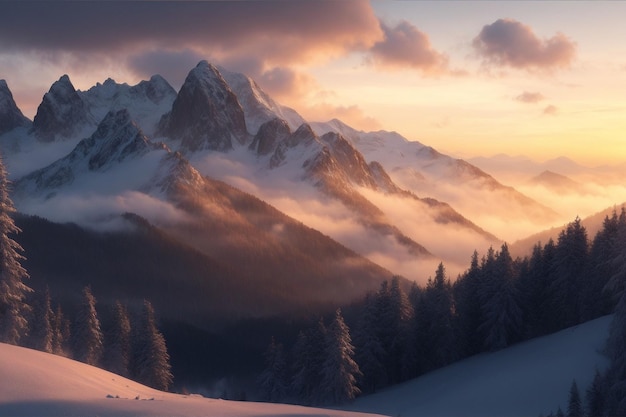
x: 62, y: 112
x: 270, y: 134
x: 303, y: 137
x: 206, y: 113
x: 11, y: 116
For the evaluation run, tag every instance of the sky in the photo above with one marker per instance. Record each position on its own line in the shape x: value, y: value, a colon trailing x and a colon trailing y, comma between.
x: 470, y: 78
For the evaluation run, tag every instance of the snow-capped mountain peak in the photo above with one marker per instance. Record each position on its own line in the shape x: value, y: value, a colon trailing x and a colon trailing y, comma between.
x: 257, y: 105
x: 62, y: 113
x: 116, y: 139
x: 206, y: 113
x: 10, y: 115
x: 146, y: 102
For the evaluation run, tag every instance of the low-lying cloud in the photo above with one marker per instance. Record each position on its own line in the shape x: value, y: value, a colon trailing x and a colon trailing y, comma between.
x: 509, y: 43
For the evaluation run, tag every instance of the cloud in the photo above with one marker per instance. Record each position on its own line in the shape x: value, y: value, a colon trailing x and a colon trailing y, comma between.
x: 551, y: 110
x: 405, y: 46
x: 278, y: 30
x: 509, y: 43
x: 528, y: 97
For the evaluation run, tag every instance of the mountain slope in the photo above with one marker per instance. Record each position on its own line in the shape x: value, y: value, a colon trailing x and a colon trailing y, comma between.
x: 529, y: 379
x: 429, y: 173
x: 36, y: 383
x: 11, y: 116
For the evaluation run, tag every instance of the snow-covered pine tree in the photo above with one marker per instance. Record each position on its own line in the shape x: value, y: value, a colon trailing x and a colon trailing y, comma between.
x: 574, y: 404
x: 118, y: 342
x: 13, y: 306
x: 88, y: 338
x: 274, y: 378
x: 339, y: 370
x: 60, y: 333
x: 152, y: 361
x: 42, y: 330
x: 308, y: 354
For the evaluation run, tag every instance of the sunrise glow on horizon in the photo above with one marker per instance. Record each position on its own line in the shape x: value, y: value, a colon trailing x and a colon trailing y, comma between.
x: 541, y: 79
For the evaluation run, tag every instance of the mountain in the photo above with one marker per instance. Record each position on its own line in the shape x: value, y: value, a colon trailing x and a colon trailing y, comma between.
x: 62, y: 113
x: 146, y: 102
x: 593, y: 224
x: 206, y: 113
x: 427, y: 172
x: 117, y: 139
x: 38, y: 383
x: 11, y: 116
x: 257, y: 105
x: 529, y: 379
x: 557, y: 183
x: 274, y: 256
x: 210, y: 121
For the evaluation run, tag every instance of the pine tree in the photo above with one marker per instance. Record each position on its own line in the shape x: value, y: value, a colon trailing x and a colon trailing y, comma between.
x: 437, y: 316
x: 88, y: 336
x: 42, y: 330
x: 339, y: 370
x: 309, y: 355
x: 369, y: 353
x: 500, y: 300
x: 273, y: 380
x: 575, y: 405
x: 595, y: 396
x: 60, y: 333
x: 13, y: 307
x: 118, y: 337
x: 570, y: 261
x: 616, y: 351
x: 468, y: 308
x: 152, y: 361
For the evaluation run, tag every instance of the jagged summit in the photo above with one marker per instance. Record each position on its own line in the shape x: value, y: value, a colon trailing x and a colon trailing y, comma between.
x: 206, y: 113
x: 61, y: 113
x: 258, y: 106
x: 146, y: 102
x: 269, y: 135
x: 10, y: 115
x: 116, y: 139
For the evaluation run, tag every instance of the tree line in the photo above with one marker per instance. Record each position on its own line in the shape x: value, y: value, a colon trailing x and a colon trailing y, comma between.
x: 498, y: 301
x: 133, y: 348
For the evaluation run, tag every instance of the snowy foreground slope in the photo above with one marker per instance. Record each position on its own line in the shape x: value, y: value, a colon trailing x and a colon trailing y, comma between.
x: 528, y: 379
x: 39, y: 384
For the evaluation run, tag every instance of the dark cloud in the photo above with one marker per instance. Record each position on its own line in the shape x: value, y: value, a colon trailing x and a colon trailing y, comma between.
x: 172, y: 65
x: 507, y: 42
x: 528, y: 97
x: 280, y: 30
x: 406, y: 46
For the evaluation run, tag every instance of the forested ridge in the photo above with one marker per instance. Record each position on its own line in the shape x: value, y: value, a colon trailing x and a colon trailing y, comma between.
x: 498, y: 301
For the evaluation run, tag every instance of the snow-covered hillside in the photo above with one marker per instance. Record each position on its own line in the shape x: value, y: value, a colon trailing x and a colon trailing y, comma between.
x: 528, y: 379
x: 39, y: 384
